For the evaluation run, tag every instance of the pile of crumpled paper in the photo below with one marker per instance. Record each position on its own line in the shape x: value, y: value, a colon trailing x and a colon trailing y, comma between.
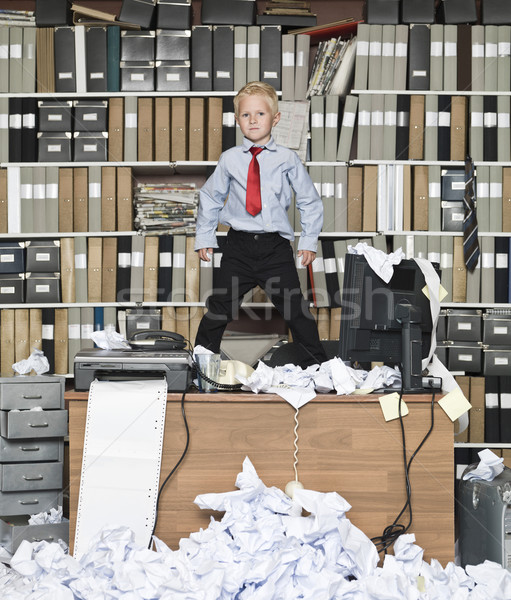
x: 263, y: 549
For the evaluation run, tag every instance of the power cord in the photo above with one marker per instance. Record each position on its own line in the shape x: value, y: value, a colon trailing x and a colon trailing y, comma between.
x: 174, y: 469
x: 393, y: 531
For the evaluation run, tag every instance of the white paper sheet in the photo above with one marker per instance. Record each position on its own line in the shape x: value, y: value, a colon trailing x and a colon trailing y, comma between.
x: 121, y: 459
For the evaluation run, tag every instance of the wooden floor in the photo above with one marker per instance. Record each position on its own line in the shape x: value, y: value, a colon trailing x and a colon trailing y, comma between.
x: 345, y: 445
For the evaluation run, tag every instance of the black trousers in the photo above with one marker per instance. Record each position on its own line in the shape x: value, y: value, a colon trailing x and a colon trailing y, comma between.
x: 266, y: 260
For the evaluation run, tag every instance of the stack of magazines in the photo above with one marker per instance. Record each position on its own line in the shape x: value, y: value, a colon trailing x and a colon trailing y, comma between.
x: 166, y: 209
x: 18, y: 18
x: 332, y: 68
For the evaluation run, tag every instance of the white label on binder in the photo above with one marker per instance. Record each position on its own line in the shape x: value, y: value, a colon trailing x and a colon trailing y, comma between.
x: 331, y: 119
x: 387, y: 49
x: 362, y: 48
x: 327, y: 190
x: 98, y: 75
x: 42, y: 256
x: 458, y: 185
x: 300, y: 57
x: 377, y: 118
x: 450, y: 48
x: 318, y: 265
x: 503, y: 361
x: 6, y: 258
x: 223, y: 74
x: 477, y: 119
x: 7, y: 290
x: 465, y: 326
x: 124, y: 259
x: 500, y: 330
x: 137, y: 259
x: 504, y: 49
x: 201, y: 75
x: 374, y: 48
x: 15, y: 51
x: 477, y: 50
x: 240, y: 50
x: 317, y: 119
x: 42, y: 288
x: 73, y: 331
x: 253, y: 50
x: 364, y: 118
x: 431, y: 118
x: 434, y: 189
x: 488, y: 260
x: 81, y: 261
x: 465, y: 357
x: 330, y: 266
x: 94, y: 190
x: 179, y: 260
x: 400, y: 49
x: 490, y: 50
x: 15, y: 121
x: 288, y: 59
x: 54, y: 148
x: 29, y: 120
x: 4, y: 51
x: 390, y: 118
x: 172, y: 77
x: 52, y: 190
x: 501, y: 260
x: 445, y: 260
x: 419, y: 73
x: 55, y: 117
x: 270, y: 75
x: 348, y: 119
x: 47, y: 332
x: 130, y: 120
x: 444, y: 119
x: 503, y: 120
x: 86, y: 330
x: 90, y: 117
x: 90, y: 147
x: 436, y: 49
x: 137, y: 77
x: 495, y: 190
x: 339, y: 190
x: 490, y: 119
x: 166, y: 259
x: 65, y: 75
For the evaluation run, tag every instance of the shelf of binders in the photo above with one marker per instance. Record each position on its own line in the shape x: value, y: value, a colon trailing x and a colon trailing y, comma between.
x: 430, y: 92
x: 481, y: 445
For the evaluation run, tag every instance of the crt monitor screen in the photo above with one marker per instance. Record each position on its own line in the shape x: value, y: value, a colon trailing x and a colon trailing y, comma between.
x: 369, y: 330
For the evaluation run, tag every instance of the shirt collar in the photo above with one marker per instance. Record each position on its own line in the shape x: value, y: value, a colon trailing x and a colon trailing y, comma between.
x: 247, y: 144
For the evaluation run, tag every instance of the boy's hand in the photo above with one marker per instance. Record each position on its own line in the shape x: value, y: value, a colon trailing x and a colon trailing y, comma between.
x: 205, y: 253
x: 308, y: 257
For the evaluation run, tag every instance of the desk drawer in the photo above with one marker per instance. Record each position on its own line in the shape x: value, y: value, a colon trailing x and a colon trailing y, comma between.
x: 16, y: 529
x: 31, y: 476
x: 30, y: 450
x: 29, y: 394
x: 33, y: 423
x: 29, y: 503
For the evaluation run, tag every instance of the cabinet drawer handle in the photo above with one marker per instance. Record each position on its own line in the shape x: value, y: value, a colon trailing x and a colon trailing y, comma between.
x: 36, y: 478
x: 35, y: 397
x: 33, y: 449
x: 27, y: 502
x: 48, y: 539
x: 38, y: 424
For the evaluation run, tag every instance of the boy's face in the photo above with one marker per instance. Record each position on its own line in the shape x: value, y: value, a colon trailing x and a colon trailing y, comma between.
x: 255, y: 119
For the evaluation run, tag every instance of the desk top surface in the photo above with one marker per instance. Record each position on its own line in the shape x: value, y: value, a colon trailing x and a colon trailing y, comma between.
x: 244, y: 397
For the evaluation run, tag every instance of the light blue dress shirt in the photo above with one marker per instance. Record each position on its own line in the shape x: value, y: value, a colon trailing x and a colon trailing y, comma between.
x: 281, y: 172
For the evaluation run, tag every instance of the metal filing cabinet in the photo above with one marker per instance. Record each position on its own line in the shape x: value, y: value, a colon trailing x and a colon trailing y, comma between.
x: 33, y: 423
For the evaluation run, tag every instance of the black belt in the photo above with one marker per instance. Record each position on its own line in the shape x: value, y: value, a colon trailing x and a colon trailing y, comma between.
x: 253, y: 236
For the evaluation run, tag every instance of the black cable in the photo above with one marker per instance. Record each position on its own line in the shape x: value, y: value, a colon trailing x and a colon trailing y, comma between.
x: 175, y: 466
x: 393, y: 531
x: 220, y: 386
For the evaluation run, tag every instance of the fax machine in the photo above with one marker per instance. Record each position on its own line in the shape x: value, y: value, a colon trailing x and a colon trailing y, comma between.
x: 124, y: 365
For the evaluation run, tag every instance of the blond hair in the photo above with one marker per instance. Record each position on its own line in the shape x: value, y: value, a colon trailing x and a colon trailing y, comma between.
x: 258, y: 88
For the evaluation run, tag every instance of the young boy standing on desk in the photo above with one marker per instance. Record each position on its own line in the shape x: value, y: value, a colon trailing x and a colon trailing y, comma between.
x: 257, y: 179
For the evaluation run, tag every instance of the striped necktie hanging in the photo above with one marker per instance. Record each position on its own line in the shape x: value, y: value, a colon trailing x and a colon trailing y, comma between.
x: 471, y: 250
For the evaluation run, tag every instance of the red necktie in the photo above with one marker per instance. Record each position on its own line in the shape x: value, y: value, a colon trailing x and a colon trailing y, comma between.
x: 253, y: 183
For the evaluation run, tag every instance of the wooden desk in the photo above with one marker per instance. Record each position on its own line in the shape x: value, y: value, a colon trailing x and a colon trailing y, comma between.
x: 345, y: 445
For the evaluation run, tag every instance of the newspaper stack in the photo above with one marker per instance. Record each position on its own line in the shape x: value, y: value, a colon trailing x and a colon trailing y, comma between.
x: 166, y: 209
x: 333, y: 67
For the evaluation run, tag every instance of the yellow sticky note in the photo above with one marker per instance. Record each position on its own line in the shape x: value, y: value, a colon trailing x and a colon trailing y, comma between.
x: 455, y: 404
x: 390, y: 406
x: 442, y: 292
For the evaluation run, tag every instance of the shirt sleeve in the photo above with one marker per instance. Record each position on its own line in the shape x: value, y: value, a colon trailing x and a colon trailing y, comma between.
x: 211, y: 201
x: 309, y: 204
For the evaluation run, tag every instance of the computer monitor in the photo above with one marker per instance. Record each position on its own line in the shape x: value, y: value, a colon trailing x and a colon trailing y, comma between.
x: 385, y: 322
